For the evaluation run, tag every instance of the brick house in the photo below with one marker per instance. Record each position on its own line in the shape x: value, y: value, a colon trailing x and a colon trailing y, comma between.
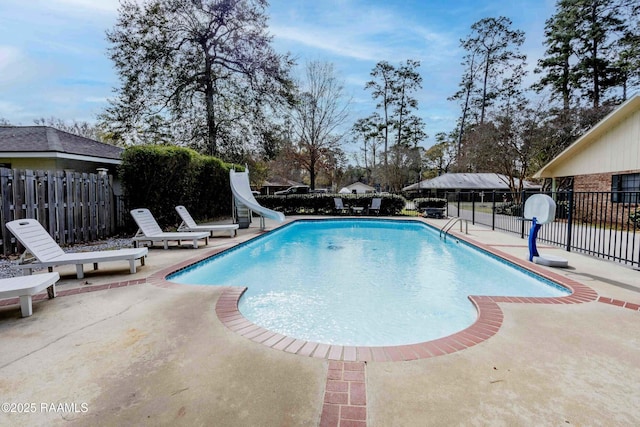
x: 605, y: 162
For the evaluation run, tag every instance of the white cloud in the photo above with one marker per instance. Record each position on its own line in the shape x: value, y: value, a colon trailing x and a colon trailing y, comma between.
x: 88, y: 5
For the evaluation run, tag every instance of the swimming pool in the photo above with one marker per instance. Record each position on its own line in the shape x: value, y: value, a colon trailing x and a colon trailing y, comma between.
x: 362, y: 282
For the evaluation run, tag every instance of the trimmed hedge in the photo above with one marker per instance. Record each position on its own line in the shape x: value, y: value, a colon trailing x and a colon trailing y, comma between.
x: 430, y: 202
x: 322, y: 204
x: 161, y: 177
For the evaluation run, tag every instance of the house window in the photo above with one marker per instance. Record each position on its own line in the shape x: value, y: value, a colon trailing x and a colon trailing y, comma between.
x: 625, y: 188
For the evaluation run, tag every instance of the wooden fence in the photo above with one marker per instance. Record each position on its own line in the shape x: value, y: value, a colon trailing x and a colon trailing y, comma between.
x: 73, y: 207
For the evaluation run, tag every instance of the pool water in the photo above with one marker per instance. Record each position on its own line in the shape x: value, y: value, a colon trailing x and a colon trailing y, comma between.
x: 362, y: 282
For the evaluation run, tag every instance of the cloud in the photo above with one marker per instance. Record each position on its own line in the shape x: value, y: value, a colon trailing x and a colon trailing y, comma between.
x: 360, y: 31
x: 15, y: 67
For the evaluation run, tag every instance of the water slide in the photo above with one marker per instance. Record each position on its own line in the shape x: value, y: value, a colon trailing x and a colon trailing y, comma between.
x: 242, y: 193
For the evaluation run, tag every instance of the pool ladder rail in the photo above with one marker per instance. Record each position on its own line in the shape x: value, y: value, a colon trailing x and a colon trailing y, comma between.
x: 449, y: 225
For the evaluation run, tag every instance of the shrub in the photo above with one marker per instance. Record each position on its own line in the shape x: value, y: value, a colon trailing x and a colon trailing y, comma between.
x: 510, y: 208
x: 322, y: 204
x: 161, y: 177
x: 430, y: 202
x: 634, y: 217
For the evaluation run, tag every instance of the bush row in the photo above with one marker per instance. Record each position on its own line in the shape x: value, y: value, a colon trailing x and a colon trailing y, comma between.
x: 431, y: 202
x: 162, y: 177
x: 323, y: 204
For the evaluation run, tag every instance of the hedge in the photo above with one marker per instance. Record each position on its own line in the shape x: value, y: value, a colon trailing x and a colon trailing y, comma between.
x: 432, y: 202
x: 161, y: 177
x: 322, y: 204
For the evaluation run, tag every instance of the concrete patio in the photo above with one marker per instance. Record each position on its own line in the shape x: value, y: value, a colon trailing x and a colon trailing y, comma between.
x: 144, y: 352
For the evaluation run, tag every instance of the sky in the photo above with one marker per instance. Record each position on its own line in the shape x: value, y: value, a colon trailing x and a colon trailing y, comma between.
x: 53, y: 60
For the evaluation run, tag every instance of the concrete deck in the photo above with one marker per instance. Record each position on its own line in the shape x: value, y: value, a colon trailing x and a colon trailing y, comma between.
x: 146, y: 353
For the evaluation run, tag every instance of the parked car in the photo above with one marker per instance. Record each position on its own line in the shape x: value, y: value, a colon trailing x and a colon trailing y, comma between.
x: 296, y: 189
x: 320, y: 190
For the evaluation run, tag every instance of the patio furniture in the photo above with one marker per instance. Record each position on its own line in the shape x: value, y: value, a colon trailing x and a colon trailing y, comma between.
x: 150, y: 231
x: 339, y: 206
x: 188, y: 224
x: 48, y: 253
x: 376, y: 203
x: 434, y: 213
x: 27, y: 286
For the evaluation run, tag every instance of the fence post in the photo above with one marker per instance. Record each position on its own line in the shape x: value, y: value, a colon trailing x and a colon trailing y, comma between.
x: 493, y: 209
x: 473, y: 207
x: 522, y: 195
x: 569, y: 220
x: 458, y: 204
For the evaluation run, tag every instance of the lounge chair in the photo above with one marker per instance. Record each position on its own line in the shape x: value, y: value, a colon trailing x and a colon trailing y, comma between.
x: 340, y: 207
x: 48, y: 253
x: 150, y: 231
x: 27, y: 286
x: 376, y: 203
x: 188, y: 224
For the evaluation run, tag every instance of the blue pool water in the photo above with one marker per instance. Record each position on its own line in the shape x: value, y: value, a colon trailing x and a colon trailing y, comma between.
x: 362, y: 282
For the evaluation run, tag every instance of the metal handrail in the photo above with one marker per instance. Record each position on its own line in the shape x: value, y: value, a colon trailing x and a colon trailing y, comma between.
x: 449, y: 225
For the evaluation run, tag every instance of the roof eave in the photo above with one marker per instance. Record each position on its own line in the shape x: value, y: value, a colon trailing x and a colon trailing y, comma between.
x: 56, y: 155
x: 613, y: 118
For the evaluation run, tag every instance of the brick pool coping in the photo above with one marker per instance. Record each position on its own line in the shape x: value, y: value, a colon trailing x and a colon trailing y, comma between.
x: 487, y: 324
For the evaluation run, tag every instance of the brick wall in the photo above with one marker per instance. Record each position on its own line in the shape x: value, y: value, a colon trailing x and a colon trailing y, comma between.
x: 596, y: 208
x: 596, y: 181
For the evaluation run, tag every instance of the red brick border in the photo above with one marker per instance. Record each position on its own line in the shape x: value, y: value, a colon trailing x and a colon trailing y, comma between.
x: 345, y: 396
x: 75, y: 291
x: 620, y: 303
x: 487, y: 324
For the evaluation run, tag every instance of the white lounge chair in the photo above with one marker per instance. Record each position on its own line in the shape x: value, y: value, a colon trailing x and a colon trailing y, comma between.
x: 150, y: 231
x: 188, y: 224
x: 27, y: 286
x: 47, y: 253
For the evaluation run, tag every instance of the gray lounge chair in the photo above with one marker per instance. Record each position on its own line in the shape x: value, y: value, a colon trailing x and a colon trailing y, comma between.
x: 376, y: 203
x: 340, y: 207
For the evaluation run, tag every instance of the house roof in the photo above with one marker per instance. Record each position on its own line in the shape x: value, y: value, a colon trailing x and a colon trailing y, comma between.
x: 278, y: 181
x: 594, y: 134
x: 467, y: 181
x: 45, y: 141
x: 361, y: 185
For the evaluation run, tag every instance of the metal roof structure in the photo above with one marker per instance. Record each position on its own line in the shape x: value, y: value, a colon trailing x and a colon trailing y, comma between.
x: 468, y: 181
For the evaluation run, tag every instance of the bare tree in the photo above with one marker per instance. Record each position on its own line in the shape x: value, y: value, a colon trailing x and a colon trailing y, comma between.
x: 316, y: 118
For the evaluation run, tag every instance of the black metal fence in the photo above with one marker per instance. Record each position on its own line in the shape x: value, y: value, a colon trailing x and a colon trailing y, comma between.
x: 601, y: 224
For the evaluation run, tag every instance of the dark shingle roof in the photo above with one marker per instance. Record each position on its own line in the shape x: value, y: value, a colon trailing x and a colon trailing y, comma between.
x: 44, y: 138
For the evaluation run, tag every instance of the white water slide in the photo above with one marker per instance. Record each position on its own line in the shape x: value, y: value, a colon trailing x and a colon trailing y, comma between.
x: 242, y: 194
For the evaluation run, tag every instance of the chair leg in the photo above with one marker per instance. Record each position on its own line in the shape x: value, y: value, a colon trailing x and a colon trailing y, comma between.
x: 132, y: 266
x: 25, y: 305
x: 79, y: 271
x: 95, y: 265
x: 51, y: 291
